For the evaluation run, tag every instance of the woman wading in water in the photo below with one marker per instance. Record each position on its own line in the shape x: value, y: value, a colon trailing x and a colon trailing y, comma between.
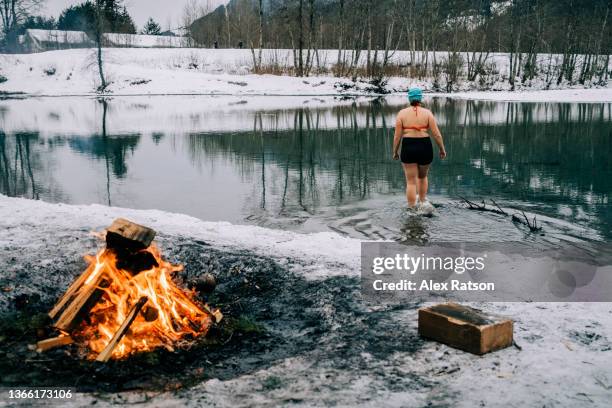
x: 416, y: 150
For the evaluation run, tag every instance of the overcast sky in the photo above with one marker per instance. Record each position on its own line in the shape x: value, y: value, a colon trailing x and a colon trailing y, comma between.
x: 165, y: 12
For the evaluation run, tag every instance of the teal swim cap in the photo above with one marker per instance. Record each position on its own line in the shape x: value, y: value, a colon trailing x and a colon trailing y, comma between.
x: 415, y: 94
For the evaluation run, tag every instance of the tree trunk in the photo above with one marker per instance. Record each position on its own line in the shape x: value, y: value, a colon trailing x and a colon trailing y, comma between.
x: 257, y: 58
x: 311, y: 36
x: 99, y: 29
x: 227, y: 23
x: 301, y: 39
x: 340, y: 59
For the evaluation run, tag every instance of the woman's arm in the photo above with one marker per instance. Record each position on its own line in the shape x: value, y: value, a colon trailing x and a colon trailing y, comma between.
x: 437, y: 136
x: 397, y: 137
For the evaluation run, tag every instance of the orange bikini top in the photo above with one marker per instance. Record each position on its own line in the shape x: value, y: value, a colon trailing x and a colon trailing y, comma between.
x: 416, y: 112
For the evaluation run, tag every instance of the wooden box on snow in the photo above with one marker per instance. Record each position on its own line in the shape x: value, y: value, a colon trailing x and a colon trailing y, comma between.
x: 465, y: 328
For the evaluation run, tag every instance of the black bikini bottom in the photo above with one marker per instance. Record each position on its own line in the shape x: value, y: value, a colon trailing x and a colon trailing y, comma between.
x: 416, y: 150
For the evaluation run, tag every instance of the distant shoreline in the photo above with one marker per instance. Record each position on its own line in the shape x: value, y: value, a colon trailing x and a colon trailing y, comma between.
x: 572, y: 95
x: 183, y: 71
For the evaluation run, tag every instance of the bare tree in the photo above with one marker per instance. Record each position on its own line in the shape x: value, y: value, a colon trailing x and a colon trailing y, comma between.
x: 192, y: 11
x: 312, y: 49
x: 341, y: 53
x: 606, y: 63
x: 257, y: 59
x: 477, y: 57
x: 98, y: 35
x: 391, y: 47
x: 228, y: 27
x: 300, y: 21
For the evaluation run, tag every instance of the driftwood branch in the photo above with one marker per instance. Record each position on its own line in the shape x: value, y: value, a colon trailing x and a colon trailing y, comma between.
x: 524, y: 220
x: 495, y: 208
x: 483, y: 207
x: 498, y: 207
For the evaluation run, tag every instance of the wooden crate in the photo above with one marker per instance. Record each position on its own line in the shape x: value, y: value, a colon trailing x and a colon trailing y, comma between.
x: 465, y: 328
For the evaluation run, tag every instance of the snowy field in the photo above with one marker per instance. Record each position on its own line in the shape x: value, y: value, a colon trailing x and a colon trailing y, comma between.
x: 137, y: 71
x: 564, y: 357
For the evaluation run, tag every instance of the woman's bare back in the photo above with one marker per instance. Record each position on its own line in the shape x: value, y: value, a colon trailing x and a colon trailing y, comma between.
x: 415, y: 121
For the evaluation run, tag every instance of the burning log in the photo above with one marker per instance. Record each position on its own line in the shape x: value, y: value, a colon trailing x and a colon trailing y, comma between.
x: 216, y: 313
x: 68, y: 295
x: 124, y: 234
x: 106, y: 354
x: 129, y: 241
x: 54, y: 342
x: 150, y: 314
x: 78, y: 306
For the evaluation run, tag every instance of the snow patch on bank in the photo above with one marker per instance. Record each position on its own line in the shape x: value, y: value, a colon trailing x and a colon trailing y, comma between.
x: 198, y: 71
x: 594, y: 95
x: 321, y: 254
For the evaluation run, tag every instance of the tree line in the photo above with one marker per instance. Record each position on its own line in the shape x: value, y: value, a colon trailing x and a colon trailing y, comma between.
x: 468, y: 30
x: 448, y: 40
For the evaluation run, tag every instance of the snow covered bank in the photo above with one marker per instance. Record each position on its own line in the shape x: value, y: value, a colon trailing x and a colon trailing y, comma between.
x: 137, y: 71
x: 593, y: 95
x: 325, y: 253
x: 150, y: 71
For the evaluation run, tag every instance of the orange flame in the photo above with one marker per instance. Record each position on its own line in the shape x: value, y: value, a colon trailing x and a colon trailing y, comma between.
x: 172, y: 313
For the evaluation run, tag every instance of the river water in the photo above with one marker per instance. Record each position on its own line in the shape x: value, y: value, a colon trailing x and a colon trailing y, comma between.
x: 316, y: 164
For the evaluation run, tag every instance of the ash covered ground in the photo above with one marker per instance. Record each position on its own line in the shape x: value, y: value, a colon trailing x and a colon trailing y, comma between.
x: 293, y: 335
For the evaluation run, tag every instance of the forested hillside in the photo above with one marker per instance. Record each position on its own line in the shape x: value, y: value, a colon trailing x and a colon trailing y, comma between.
x: 468, y: 30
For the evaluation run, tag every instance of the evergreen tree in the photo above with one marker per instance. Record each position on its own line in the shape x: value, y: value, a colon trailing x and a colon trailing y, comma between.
x: 123, y: 22
x: 82, y: 17
x: 79, y: 17
x: 39, y: 22
x: 151, y: 27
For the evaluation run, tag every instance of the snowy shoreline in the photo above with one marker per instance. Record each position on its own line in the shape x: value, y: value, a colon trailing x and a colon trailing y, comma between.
x: 139, y: 72
x: 326, y: 253
x: 570, y: 95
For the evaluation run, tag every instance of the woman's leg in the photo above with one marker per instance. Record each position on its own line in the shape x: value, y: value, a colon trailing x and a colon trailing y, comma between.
x: 411, y: 172
x: 423, y: 183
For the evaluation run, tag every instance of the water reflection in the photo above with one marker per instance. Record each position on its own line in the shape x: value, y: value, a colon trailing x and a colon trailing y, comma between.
x: 17, y: 164
x: 312, y: 166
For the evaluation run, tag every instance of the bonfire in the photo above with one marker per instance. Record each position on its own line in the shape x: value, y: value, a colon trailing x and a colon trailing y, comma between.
x: 127, y: 302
